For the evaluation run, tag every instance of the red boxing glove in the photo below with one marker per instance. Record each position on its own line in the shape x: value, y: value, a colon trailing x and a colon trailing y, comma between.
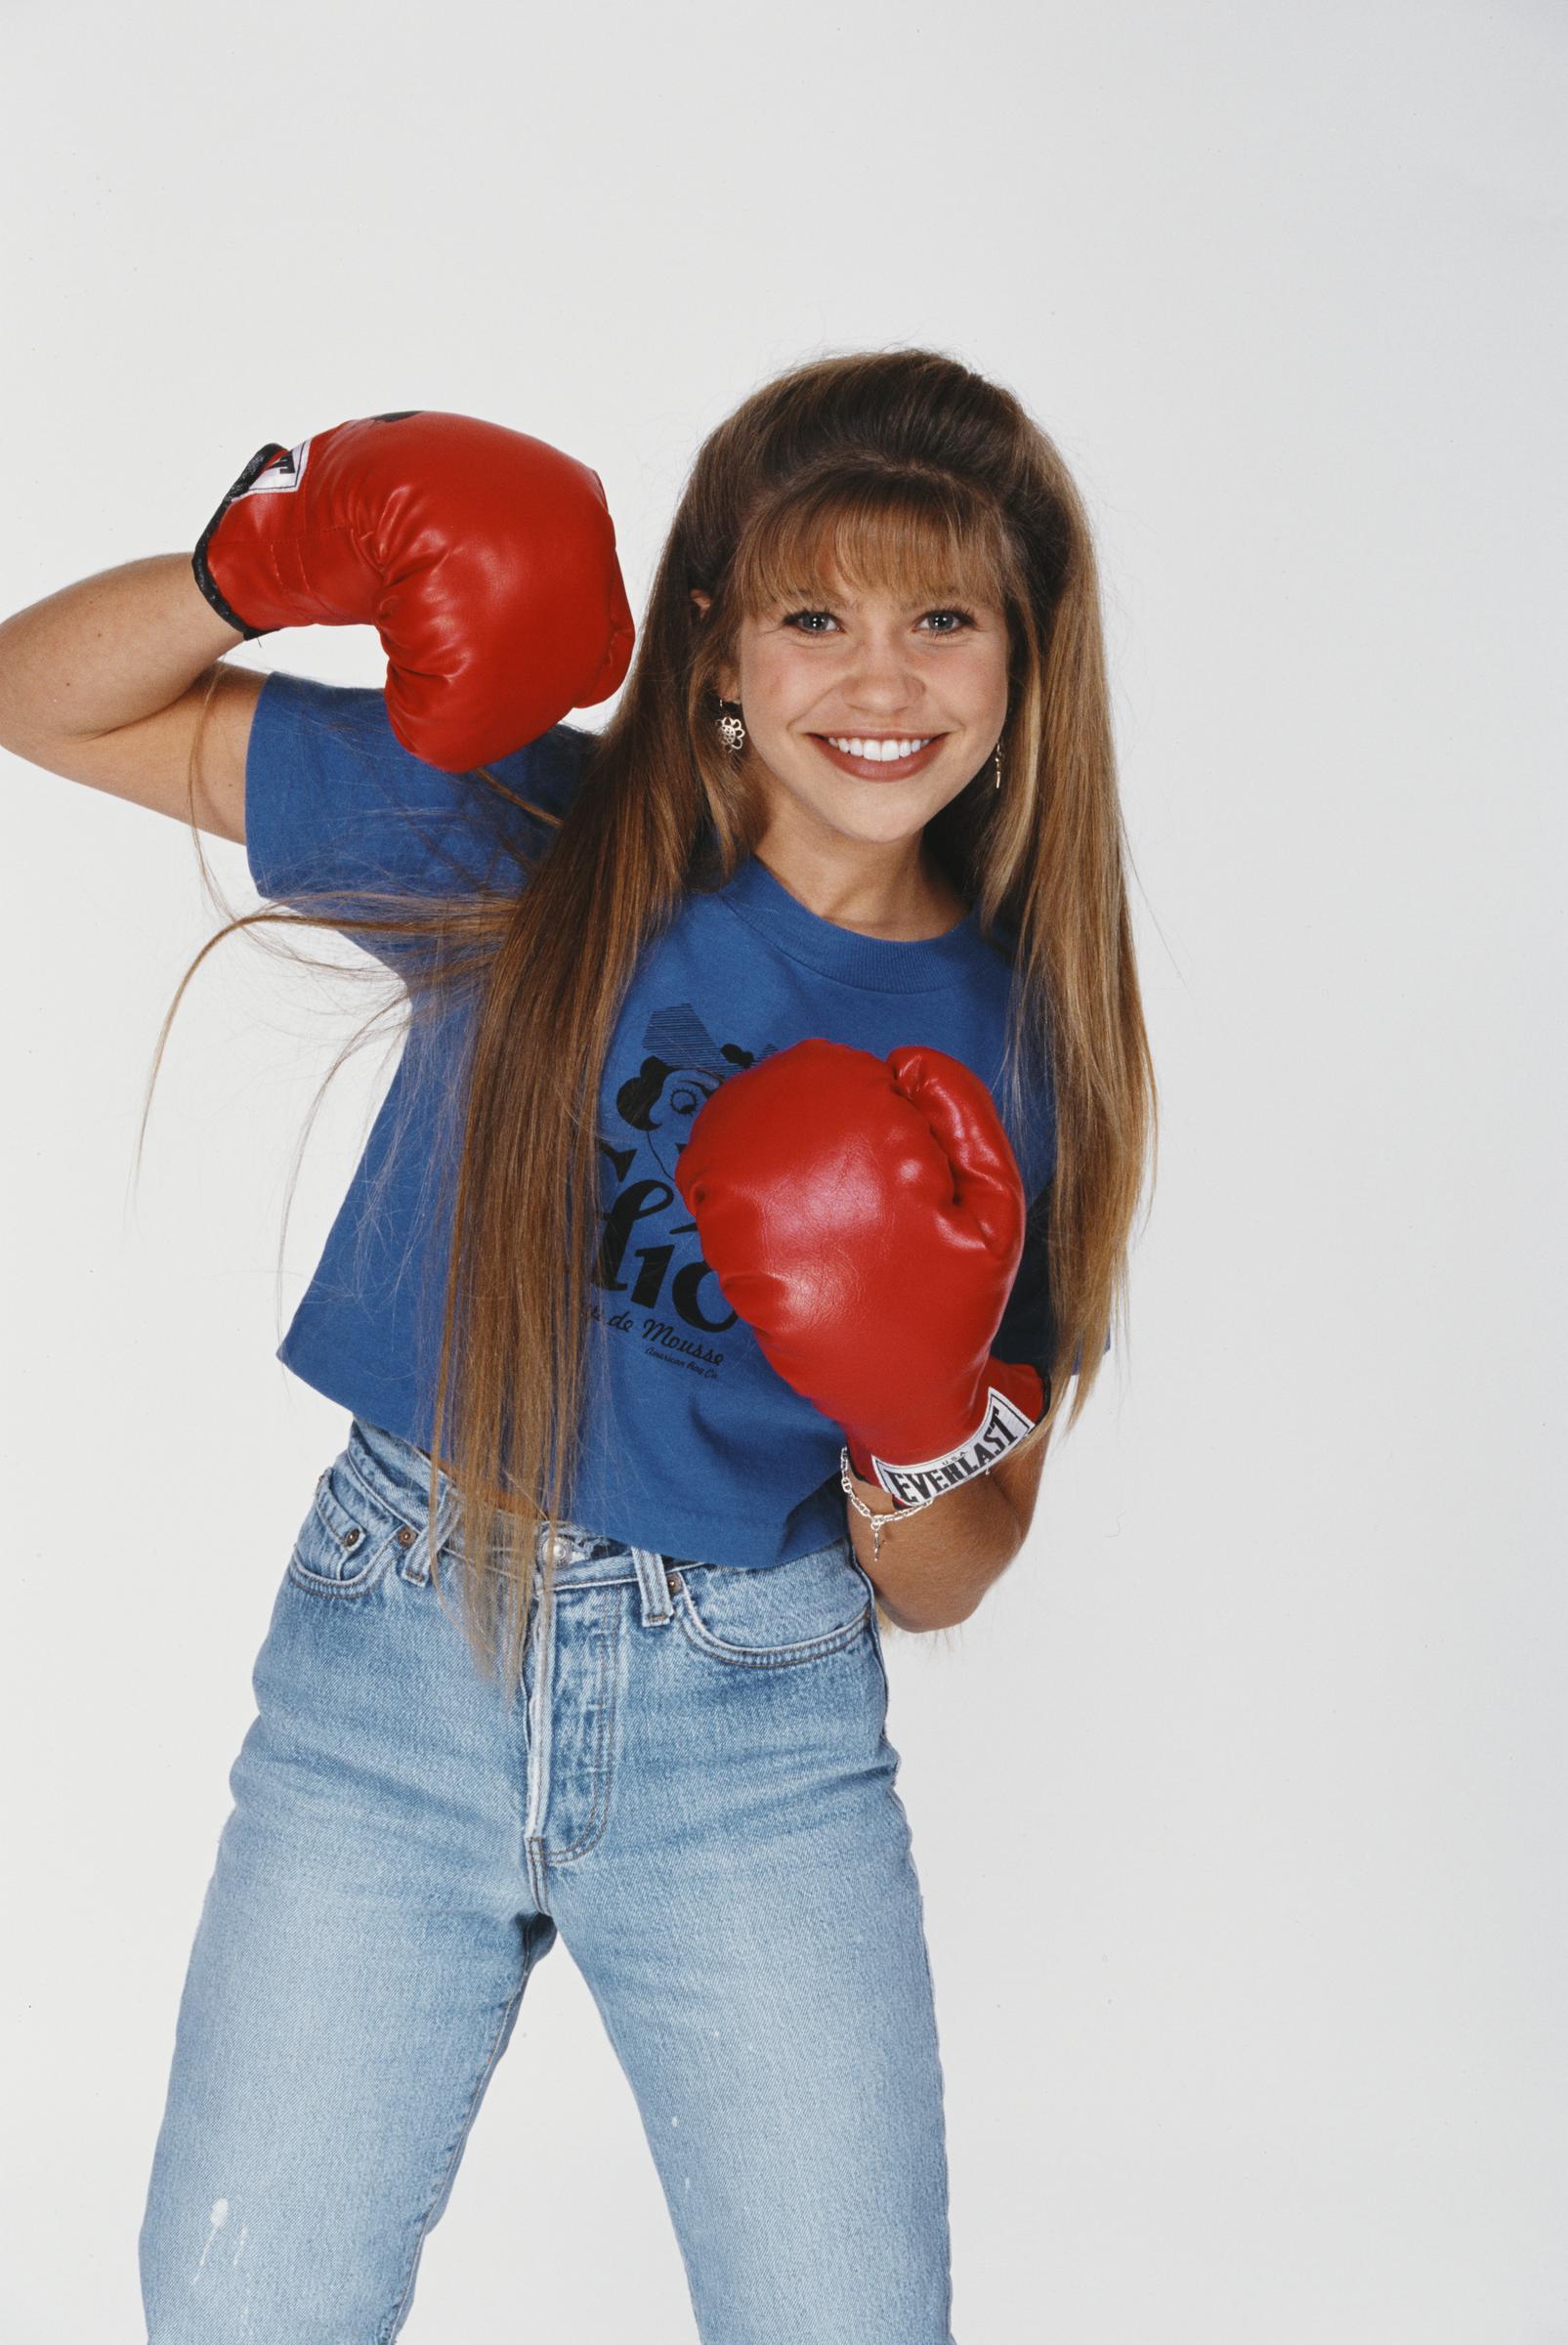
x: 485, y: 559
x: 865, y: 1218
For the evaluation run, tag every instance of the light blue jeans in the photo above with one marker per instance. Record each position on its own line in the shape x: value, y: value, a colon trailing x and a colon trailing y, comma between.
x: 692, y: 1785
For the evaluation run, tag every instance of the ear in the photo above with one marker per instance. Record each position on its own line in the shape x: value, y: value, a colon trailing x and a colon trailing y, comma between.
x: 729, y: 682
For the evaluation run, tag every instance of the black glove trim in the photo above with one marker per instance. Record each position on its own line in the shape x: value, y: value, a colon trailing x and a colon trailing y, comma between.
x: 199, y: 560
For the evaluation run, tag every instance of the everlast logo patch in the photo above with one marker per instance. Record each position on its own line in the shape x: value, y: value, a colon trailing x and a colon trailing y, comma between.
x: 279, y: 478
x: 1002, y: 1429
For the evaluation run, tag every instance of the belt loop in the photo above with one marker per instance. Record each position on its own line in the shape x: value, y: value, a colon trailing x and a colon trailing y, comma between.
x: 442, y: 1535
x: 652, y: 1581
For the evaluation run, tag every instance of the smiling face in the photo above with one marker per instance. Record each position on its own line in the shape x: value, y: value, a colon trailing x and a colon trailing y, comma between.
x: 866, y: 713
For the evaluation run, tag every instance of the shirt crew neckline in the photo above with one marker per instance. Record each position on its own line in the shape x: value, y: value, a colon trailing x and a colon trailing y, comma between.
x: 879, y: 964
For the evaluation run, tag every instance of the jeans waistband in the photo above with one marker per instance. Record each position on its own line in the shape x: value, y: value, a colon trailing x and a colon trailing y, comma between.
x: 398, y: 1471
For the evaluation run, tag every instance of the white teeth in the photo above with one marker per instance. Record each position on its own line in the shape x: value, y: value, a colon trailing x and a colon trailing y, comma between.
x: 881, y: 751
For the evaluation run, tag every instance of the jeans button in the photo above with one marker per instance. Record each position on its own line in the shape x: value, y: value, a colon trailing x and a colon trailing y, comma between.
x: 406, y: 1537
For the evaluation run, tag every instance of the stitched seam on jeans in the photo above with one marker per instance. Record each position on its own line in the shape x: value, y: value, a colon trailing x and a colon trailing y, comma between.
x: 314, y: 1584
x: 381, y: 1527
x: 774, y: 1657
x: 602, y: 1760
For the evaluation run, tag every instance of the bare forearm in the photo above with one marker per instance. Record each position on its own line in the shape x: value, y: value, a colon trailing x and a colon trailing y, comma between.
x: 106, y: 652
x: 936, y: 1564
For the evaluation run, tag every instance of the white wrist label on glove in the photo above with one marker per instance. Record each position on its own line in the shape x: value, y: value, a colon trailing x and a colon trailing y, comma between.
x: 281, y: 477
x: 1000, y: 1429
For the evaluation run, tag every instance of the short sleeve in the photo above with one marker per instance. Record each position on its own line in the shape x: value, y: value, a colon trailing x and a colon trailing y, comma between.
x: 335, y: 803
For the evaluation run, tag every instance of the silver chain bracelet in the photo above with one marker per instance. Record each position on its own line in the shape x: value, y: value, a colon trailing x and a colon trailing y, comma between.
x: 873, y: 1516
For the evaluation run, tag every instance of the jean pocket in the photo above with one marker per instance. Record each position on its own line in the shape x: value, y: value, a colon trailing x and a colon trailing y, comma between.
x: 778, y: 1614
x: 348, y: 1537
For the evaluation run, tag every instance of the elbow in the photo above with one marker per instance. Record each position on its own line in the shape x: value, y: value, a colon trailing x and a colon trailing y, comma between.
x: 900, y: 1617
x: 926, y: 1623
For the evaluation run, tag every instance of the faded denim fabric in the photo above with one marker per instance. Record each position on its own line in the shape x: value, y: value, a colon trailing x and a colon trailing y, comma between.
x: 693, y: 1786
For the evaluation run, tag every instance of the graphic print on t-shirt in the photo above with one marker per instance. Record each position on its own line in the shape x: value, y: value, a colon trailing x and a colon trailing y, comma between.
x: 660, y: 1291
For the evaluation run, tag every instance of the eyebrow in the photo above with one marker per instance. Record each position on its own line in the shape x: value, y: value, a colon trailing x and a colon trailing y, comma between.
x: 938, y: 594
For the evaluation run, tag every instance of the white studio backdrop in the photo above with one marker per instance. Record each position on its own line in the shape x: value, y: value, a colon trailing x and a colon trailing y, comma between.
x: 1239, y: 1805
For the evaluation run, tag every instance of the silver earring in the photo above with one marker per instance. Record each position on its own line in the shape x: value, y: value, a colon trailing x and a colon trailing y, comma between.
x: 732, y: 729
x: 996, y: 785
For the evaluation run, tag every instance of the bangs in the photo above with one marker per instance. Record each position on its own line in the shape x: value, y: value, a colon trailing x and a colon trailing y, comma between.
x: 919, y: 539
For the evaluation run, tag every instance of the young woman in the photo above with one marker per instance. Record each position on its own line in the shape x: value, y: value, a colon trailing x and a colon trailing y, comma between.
x: 756, y: 1180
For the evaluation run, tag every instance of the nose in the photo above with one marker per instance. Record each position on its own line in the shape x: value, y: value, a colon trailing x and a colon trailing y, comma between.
x: 882, y: 684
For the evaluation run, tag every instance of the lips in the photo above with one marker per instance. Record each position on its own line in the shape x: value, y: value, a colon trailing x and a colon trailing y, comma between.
x: 878, y: 769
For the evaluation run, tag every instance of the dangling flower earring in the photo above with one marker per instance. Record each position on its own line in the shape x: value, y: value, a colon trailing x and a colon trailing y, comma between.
x: 732, y: 729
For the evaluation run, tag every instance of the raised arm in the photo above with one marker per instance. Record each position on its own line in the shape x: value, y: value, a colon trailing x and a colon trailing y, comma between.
x: 484, y: 558
x: 106, y: 681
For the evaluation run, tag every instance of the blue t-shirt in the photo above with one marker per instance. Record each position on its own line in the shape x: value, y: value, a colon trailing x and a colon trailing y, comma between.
x: 694, y: 1446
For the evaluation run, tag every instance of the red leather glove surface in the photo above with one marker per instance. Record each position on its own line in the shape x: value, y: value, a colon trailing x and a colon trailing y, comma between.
x: 865, y: 1218
x: 485, y: 559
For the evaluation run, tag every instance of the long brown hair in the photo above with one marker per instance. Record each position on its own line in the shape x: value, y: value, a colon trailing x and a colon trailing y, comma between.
x: 899, y: 468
